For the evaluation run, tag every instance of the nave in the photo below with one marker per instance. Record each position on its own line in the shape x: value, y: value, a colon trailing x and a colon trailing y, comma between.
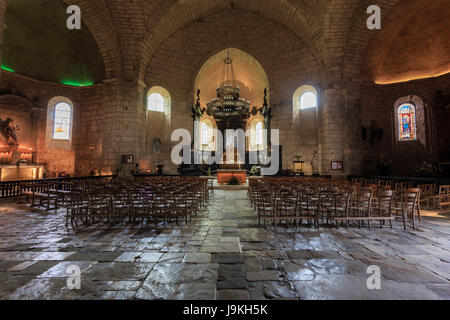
x: 220, y: 254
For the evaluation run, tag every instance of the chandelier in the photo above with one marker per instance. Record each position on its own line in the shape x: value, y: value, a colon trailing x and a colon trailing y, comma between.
x: 228, y: 104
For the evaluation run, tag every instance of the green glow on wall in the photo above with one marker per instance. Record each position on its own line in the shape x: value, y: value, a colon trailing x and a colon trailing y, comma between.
x: 7, y: 69
x: 77, y: 84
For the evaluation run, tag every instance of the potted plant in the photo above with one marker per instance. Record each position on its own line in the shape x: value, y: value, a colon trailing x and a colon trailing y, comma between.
x: 298, y: 156
x: 254, y: 171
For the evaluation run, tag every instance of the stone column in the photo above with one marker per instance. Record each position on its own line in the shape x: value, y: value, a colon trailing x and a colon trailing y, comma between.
x: 339, y: 128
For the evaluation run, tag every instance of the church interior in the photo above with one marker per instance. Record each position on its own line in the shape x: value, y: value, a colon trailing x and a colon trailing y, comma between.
x: 224, y: 150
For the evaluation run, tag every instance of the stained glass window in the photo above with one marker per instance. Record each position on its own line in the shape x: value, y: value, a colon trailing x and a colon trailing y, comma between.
x: 62, y: 121
x: 308, y: 100
x: 407, y: 122
x: 156, y: 102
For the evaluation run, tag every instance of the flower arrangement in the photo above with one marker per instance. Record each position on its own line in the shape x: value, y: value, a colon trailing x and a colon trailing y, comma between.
x: 298, y: 156
x: 254, y: 171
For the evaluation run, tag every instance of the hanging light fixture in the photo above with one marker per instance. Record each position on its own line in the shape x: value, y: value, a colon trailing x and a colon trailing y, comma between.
x: 228, y: 104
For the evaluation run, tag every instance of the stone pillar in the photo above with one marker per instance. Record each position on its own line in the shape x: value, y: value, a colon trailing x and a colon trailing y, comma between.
x: 339, y: 128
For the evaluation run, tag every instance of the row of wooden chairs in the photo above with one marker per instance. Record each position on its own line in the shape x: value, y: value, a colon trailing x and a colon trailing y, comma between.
x: 296, y: 200
x: 153, y: 200
x: 432, y: 195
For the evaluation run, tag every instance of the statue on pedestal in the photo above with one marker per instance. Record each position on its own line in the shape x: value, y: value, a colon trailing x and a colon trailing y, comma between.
x: 7, y: 129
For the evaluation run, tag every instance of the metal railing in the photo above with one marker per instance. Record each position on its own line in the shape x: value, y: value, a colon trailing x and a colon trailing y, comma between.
x: 9, y: 189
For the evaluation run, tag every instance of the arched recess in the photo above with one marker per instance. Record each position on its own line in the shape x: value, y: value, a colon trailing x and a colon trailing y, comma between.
x: 303, y: 94
x: 416, y: 120
x: 59, y: 129
x: 249, y: 74
x: 207, y: 133
x: 256, y: 139
x: 158, y: 123
x: 305, y: 113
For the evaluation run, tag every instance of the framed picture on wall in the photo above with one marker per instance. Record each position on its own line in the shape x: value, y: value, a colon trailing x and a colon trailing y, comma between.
x: 127, y: 158
x: 337, y: 165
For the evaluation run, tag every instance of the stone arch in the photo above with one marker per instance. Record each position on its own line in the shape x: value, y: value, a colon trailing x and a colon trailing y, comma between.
x: 422, y: 122
x: 166, y: 96
x: 296, y: 107
x: 251, y: 132
x: 300, y: 22
x: 241, y: 57
x: 211, y: 123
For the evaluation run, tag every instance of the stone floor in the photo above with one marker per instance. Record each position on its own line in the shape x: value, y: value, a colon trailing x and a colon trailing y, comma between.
x: 220, y: 254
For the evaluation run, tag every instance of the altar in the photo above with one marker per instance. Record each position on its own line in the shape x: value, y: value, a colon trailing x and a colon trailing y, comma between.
x: 224, y: 175
x: 12, y: 172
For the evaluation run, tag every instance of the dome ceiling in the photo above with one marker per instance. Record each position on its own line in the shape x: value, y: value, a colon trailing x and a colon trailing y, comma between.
x: 38, y: 44
x: 412, y: 43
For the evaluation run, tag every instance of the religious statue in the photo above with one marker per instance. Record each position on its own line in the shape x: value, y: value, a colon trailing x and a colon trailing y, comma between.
x: 7, y: 129
x: 196, y: 109
x: 314, y: 163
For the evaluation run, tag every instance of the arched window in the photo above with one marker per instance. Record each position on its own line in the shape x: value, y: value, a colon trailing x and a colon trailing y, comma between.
x: 62, y: 121
x: 207, y: 135
x: 259, y: 134
x: 407, y: 130
x: 255, y: 129
x: 308, y: 100
x: 305, y: 98
x: 60, y: 111
x: 155, y: 102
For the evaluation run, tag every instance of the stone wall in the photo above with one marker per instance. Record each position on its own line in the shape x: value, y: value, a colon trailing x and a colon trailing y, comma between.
x: 378, y: 105
x: 165, y: 43
x: 22, y: 98
x: 283, y: 56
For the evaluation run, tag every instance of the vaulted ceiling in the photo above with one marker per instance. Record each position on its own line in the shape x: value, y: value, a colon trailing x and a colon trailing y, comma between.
x: 127, y: 33
x: 412, y: 44
x: 37, y: 43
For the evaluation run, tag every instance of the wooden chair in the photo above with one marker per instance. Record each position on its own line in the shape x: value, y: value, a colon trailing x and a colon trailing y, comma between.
x: 266, y: 210
x: 362, y: 209
x: 382, y: 211
x: 409, y: 206
x: 339, y: 211
x: 285, y: 206
x: 99, y: 207
x: 442, y: 199
x: 76, y: 208
x: 44, y: 198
